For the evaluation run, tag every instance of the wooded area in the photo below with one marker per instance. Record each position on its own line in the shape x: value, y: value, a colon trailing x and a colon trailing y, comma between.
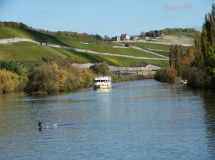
x: 197, y: 65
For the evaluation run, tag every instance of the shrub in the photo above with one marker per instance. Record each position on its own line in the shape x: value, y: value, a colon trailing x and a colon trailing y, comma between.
x: 126, y: 45
x: 11, y: 66
x: 101, y: 69
x: 196, y: 77
x: 166, y: 75
x: 41, y: 79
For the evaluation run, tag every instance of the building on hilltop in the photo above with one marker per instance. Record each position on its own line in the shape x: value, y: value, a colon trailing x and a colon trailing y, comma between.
x: 125, y: 37
x: 116, y: 38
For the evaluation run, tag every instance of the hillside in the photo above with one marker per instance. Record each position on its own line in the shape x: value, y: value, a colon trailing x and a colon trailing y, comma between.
x: 29, y: 51
x: 183, y: 39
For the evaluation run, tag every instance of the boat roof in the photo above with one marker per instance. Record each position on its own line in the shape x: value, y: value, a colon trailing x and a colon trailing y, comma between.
x: 102, y: 78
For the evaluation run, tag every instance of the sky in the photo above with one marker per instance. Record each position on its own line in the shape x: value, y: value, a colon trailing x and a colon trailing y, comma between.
x: 106, y: 17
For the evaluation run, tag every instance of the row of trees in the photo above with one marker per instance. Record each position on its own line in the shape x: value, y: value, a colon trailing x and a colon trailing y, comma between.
x: 54, y: 76
x: 51, y: 76
x: 197, y: 65
x: 58, y: 33
x: 157, y: 33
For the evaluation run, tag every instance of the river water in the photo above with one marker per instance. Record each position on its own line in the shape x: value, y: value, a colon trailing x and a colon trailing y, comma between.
x: 134, y: 120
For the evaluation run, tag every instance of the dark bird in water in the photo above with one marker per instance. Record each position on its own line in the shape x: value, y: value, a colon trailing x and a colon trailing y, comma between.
x: 40, y: 124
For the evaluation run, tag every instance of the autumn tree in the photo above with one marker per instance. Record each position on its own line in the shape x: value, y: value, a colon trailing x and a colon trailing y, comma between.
x: 8, y: 81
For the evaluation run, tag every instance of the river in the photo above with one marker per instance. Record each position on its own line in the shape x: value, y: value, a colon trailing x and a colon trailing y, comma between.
x: 134, y: 120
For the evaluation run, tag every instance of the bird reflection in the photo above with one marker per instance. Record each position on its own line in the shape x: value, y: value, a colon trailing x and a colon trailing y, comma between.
x: 40, y: 125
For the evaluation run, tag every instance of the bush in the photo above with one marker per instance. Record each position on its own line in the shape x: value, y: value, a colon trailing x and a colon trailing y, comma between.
x: 101, y: 69
x: 126, y: 45
x: 196, y: 77
x: 11, y: 66
x: 41, y: 79
x: 166, y: 75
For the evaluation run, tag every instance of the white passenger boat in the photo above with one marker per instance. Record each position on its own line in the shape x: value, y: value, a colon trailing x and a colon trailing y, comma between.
x: 102, y: 82
x: 182, y: 82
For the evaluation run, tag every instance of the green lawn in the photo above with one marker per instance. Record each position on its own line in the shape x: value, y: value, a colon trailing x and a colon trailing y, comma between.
x: 164, y: 53
x: 24, y: 51
x: 150, y: 45
x: 110, y: 60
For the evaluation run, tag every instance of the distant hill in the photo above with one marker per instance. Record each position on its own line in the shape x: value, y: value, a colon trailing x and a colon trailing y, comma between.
x: 26, y: 51
x: 180, y: 38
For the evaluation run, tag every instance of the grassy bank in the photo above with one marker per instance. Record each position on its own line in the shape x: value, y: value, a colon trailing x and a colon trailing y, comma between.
x: 24, y: 51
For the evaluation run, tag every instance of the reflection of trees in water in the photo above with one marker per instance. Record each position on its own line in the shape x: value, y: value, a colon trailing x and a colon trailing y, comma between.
x: 209, y: 106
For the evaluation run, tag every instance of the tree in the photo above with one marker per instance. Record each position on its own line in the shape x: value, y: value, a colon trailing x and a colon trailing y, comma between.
x: 210, y: 61
x: 41, y: 79
x: 189, y: 58
x: 208, y: 41
x: 101, y: 69
x: 178, y: 58
x: 11, y: 66
x: 175, y: 57
x: 98, y: 37
x: 142, y: 34
x: 171, y: 57
x: 198, y: 49
x: 8, y: 81
x: 106, y: 38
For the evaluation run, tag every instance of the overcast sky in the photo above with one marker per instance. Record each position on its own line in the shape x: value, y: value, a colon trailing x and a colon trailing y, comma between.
x: 106, y: 17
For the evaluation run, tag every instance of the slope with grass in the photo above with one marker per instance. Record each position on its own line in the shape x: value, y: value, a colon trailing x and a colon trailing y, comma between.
x: 29, y: 51
x: 110, y: 60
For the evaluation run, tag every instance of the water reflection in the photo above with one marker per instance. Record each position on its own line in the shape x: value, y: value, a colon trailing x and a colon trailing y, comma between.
x: 133, y: 120
x: 209, y: 106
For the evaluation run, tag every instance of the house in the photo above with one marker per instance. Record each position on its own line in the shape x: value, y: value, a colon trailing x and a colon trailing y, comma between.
x: 116, y: 38
x: 136, y: 38
x: 125, y: 37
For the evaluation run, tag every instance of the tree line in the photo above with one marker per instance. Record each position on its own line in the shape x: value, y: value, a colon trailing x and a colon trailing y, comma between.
x: 58, y: 33
x: 54, y: 75
x: 197, y: 65
x: 158, y: 33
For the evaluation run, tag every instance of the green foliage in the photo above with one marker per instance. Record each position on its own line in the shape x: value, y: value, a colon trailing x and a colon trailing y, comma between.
x: 40, y: 32
x: 196, y: 77
x: 11, y: 66
x: 41, y: 79
x: 25, y: 51
x: 126, y: 45
x: 106, y: 38
x: 175, y: 57
x: 101, y: 69
x: 210, y: 61
x: 198, y: 49
x: 208, y: 34
x: 178, y: 30
x: 58, y: 76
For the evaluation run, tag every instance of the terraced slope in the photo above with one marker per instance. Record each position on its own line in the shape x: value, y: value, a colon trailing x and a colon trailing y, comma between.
x: 27, y: 51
